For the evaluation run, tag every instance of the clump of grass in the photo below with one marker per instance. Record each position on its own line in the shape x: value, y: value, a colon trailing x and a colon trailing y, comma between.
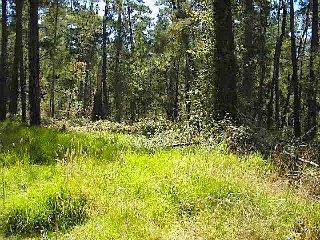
x: 57, y: 211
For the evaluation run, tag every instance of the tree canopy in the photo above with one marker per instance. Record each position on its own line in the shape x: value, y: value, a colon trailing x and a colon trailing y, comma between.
x: 255, y: 61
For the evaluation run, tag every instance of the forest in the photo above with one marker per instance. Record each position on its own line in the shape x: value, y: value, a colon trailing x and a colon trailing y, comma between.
x: 164, y: 119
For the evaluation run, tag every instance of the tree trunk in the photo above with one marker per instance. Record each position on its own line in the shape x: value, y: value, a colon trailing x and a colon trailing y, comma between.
x: 295, y: 80
x: 34, y: 64
x: 248, y: 58
x: 286, y: 104
x: 312, y: 85
x: 104, y: 64
x: 172, y: 107
x: 117, y: 81
x: 86, y: 90
x: 133, y: 100
x: 23, y: 87
x: 14, y: 89
x: 97, y: 111
x: 3, y: 73
x: 130, y: 29
x: 226, y: 67
x: 53, y: 60
x: 300, y: 50
x: 188, y: 79
x: 188, y: 74
x: 275, y: 79
x: 262, y: 60
x: 22, y: 73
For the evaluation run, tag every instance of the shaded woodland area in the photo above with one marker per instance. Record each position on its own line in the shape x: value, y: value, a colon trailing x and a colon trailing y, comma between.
x: 254, y: 61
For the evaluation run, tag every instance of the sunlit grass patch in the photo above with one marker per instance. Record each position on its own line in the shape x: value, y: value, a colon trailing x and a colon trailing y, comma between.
x: 117, y: 186
x: 54, y: 211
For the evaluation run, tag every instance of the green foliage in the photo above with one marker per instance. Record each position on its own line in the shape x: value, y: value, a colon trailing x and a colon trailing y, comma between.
x: 56, y: 211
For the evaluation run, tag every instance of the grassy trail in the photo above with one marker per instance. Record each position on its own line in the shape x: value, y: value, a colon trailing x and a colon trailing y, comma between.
x: 66, y: 185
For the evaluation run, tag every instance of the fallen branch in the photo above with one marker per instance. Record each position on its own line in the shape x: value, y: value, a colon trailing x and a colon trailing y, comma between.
x: 302, y: 160
x: 182, y: 144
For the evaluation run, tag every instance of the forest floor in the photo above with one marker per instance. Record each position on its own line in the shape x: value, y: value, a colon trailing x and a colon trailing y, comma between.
x: 77, y: 185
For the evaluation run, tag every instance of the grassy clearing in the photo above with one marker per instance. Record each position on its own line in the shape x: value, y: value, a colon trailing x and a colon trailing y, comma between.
x: 67, y: 185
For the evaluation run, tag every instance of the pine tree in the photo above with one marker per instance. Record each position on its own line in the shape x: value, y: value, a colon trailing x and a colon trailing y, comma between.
x: 226, y: 67
x: 3, y: 73
x: 34, y: 64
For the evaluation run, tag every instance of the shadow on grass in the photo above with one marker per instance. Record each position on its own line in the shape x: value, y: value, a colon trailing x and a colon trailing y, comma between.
x: 36, y: 145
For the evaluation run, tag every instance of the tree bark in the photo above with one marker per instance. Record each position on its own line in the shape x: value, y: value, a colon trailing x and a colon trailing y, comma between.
x: 3, y: 73
x: 14, y: 89
x: 262, y: 60
x: 104, y: 64
x: 173, y: 92
x: 295, y: 80
x: 23, y: 87
x: 248, y: 58
x: 53, y: 61
x: 97, y: 111
x: 34, y: 64
x: 313, y: 79
x: 274, y: 102
x: 22, y: 74
x: 300, y: 52
x: 188, y: 73
x: 117, y: 81
x: 226, y: 67
x: 188, y: 79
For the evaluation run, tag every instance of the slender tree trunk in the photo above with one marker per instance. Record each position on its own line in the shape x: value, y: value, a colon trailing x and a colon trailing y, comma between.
x: 312, y: 85
x: 188, y: 81
x: 181, y: 14
x: 172, y: 107
x: 275, y: 95
x: 286, y: 104
x: 34, y: 64
x: 117, y: 80
x: 302, y: 45
x: 104, y: 64
x: 276, y: 69
x: 97, y: 112
x: 226, y: 67
x: 295, y: 80
x: 176, y: 90
x: 248, y: 58
x: 130, y: 29
x: 86, y: 90
x: 53, y: 60
x: 3, y: 73
x: 23, y: 88
x: 14, y: 88
x: 133, y: 99
x: 188, y: 74
x: 262, y: 60
x: 22, y: 74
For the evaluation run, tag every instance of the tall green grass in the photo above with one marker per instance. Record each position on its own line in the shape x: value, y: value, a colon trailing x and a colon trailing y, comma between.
x: 116, y: 186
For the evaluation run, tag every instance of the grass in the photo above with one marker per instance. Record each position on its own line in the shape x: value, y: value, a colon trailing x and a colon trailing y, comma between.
x: 68, y: 185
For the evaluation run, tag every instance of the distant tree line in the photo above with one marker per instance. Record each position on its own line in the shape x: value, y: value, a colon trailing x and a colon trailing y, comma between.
x: 256, y: 61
